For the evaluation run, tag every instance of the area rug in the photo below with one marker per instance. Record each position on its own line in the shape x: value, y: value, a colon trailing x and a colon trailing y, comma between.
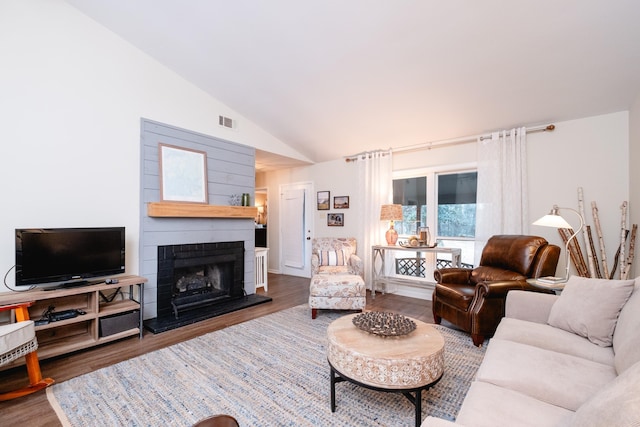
x: 270, y: 371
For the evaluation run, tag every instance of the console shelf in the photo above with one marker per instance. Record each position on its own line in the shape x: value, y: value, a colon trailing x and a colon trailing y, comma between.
x: 108, y: 317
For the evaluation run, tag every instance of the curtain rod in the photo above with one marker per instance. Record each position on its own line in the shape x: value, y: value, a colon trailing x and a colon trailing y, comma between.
x: 454, y: 141
x: 354, y: 157
x: 467, y: 139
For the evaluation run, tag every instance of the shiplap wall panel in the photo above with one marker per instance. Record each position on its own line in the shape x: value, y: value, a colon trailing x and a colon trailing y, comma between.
x: 230, y: 170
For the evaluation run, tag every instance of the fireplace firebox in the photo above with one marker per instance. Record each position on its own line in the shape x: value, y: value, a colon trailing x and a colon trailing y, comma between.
x: 198, y: 281
x: 197, y: 276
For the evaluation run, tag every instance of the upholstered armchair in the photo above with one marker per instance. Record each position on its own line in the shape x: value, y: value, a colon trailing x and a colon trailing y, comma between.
x: 474, y: 299
x: 337, y: 281
x: 335, y: 255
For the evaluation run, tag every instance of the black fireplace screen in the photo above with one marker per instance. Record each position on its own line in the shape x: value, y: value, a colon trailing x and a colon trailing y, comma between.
x: 199, y: 275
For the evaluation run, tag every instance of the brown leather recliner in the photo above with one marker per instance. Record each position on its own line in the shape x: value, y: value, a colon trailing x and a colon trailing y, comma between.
x: 474, y: 299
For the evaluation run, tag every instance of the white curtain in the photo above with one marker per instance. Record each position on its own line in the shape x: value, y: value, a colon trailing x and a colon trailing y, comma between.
x: 502, y: 195
x: 375, y: 185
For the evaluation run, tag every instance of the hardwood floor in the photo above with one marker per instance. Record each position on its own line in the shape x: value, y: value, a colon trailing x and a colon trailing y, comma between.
x: 286, y: 291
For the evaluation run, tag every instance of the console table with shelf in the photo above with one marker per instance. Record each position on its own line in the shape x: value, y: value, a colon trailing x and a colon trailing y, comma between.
x: 107, y: 318
x: 378, y: 269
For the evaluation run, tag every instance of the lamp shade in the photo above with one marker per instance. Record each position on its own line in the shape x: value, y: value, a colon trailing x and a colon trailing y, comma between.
x: 391, y: 213
x: 553, y: 219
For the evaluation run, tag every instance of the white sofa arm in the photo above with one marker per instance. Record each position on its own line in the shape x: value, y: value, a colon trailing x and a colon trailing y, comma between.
x: 530, y: 306
x: 437, y: 422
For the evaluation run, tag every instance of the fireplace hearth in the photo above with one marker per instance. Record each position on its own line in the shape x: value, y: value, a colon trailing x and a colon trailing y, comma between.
x: 197, y: 281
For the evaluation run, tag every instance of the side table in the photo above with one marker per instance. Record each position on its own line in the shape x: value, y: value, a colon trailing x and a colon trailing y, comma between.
x: 378, y: 262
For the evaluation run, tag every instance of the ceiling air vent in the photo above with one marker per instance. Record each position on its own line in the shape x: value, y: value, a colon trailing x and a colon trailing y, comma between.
x: 226, y: 122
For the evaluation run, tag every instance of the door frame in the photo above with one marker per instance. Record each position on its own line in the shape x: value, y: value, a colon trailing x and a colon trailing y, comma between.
x: 308, y: 219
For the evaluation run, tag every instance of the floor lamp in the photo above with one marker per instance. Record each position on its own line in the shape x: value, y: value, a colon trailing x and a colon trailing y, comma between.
x: 555, y: 220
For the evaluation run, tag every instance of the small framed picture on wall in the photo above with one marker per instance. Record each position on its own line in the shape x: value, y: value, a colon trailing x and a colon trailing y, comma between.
x: 341, y: 202
x: 324, y: 200
x: 335, y: 220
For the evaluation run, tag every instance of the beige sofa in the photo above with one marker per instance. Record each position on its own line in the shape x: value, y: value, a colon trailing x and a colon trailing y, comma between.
x: 567, y: 360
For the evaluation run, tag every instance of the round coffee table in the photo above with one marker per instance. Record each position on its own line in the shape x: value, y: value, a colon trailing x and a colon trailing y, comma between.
x: 404, y: 364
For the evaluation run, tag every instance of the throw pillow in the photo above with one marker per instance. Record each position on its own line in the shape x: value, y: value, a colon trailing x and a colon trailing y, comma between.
x: 339, y: 257
x: 615, y: 405
x: 590, y: 307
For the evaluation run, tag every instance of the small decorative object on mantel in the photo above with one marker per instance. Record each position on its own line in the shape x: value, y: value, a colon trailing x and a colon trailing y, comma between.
x: 384, y: 324
x: 234, y: 199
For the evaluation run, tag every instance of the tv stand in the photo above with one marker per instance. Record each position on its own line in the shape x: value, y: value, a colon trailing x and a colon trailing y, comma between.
x: 104, y: 321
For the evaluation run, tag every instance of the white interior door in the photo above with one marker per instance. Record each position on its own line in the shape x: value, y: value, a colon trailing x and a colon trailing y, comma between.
x: 295, y: 229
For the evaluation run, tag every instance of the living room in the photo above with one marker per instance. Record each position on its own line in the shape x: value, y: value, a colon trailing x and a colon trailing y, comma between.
x: 74, y: 95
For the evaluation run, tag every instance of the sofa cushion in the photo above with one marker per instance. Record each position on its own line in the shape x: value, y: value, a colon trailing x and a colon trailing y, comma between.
x: 530, y: 306
x: 555, y: 339
x: 626, y: 339
x: 492, y: 406
x: 556, y: 378
x: 590, y: 307
x: 333, y: 269
x: 617, y: 404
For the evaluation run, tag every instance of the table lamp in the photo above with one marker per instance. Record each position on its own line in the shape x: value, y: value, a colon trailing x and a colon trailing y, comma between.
x: 391, y: 213
x: 555, y: 220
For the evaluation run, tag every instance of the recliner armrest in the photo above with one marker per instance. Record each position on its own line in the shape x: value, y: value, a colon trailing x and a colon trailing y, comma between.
x: 452, y: 275
x: 499, y: 289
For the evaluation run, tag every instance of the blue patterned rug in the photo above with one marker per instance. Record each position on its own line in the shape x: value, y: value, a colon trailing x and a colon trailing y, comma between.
x: 270, y: 371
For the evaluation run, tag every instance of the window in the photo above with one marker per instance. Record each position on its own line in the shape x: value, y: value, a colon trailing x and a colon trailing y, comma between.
x: 457, y: 204
x: 411, y: 193
x: 443, y: 200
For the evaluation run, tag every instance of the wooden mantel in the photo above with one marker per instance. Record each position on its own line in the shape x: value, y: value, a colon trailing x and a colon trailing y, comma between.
x: 195, y: 210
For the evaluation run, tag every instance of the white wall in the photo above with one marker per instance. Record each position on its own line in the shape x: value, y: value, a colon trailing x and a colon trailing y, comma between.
x: 634, y: 170
x: 338, y: 177
x: 590, y: 152
x: 73, y: 94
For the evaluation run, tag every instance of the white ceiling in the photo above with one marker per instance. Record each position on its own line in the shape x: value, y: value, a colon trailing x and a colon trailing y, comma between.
x: 333, y: 78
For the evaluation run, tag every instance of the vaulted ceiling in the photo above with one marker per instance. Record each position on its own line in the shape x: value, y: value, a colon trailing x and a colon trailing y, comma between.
x: 333, y: 78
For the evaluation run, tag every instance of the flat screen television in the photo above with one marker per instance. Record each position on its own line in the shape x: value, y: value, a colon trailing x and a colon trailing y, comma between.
x: 72, y: 255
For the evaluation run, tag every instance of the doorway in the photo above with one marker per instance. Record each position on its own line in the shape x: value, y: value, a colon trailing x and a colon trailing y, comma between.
x: 261, y: 202
x: 296, y: 219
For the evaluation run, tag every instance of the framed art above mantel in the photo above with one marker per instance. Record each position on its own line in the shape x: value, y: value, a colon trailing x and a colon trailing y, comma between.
x: 183, y: 174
